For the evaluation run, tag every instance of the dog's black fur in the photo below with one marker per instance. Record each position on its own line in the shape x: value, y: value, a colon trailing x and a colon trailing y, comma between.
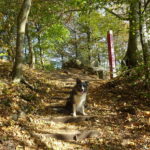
x: 77, y: 99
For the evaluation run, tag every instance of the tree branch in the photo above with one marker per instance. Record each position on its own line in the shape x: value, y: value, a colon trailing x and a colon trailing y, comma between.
x: 145, y: 6
x: 113, y: 13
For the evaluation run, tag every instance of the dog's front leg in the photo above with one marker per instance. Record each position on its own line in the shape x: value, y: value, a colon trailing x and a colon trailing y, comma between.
x: 82, y: 109
x: 74, y: 110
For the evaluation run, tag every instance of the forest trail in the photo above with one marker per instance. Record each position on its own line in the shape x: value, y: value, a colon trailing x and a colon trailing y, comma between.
x: 58, y: 125
x: 116, y: 119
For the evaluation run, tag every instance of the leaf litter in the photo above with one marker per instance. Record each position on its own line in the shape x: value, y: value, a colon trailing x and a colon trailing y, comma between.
x: 120, y: 110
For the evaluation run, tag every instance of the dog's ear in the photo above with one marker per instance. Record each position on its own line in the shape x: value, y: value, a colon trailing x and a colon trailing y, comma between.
x: 78, y: 81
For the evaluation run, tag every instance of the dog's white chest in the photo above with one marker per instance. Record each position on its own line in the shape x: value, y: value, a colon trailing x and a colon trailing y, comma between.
x: 79, y: 99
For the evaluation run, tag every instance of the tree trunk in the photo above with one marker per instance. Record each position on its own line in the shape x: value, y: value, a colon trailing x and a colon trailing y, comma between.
x: 131, y: 54
x: 62, y: 60
x: 25, y: 54
x: 76, y: 46
x: 41, y: 52
x: 35, y: 55
x: 21, y: 24
x: 11, y: 49
x: 145, y: 41
x: 88, y: 45
x: 99, y: 59
x: 38, y: 28
x: 31, y: 52
x: 10, y: 54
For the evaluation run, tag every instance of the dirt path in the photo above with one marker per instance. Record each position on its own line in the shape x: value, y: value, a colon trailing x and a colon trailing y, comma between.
x: 116, y: 120
x: 55, y: 126
x: 110, y: 124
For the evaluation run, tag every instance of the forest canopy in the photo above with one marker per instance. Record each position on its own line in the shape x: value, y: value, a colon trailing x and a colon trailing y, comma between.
x: 59, y: 31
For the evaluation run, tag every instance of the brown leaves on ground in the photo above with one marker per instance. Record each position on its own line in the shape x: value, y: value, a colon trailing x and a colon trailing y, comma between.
x: 119, y: 109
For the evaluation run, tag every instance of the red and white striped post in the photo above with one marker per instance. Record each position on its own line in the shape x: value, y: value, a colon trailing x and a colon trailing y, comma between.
x: 111, y: 54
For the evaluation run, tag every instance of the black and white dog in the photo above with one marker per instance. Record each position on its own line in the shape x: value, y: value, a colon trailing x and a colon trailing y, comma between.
x: 77, y: 99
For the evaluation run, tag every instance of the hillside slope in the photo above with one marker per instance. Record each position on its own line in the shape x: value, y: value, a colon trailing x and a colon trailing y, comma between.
x: 32, y: 115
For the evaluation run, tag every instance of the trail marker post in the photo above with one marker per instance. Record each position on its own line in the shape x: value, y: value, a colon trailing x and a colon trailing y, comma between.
x: 111, y: 54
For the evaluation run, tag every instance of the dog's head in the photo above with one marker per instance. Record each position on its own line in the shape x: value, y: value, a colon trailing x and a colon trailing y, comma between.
x: 81, y: 86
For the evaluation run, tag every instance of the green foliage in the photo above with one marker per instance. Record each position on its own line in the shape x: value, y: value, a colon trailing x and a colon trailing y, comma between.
x: 3, y: 54
x: 97, y: 24
x: 55, y: 24
x: 50, y: 67
x: 57, y: 33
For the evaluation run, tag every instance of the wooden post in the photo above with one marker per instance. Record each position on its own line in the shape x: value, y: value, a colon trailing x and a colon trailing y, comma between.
x: 111, y: 54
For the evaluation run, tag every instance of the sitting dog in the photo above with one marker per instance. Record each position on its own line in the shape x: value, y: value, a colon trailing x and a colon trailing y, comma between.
x: 76, y: 101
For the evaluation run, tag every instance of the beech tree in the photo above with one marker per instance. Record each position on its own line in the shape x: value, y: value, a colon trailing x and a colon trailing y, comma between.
x: 21, y: 25
x: 30, y: 47
x: 144, y: 27
x: 131, y: 54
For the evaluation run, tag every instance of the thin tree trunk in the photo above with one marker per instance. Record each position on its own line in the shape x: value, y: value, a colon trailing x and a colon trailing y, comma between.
x: 41, y: 57
x: 131, y: 54
x: 10, y: 51
x: 88, y: 45
x: 99, y: 59
x: 145, y: 42
x: 35, y: 56
x: 21, y: 24
x: 25, y: 54
x: 10, y: 54
x: 38, y: 27
x: 41, y: 52
x: 62, y: 60
x: 31, y: 52
x: 76, y: 46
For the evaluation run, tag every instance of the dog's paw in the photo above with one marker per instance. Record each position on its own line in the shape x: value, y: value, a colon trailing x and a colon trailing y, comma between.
x: 74, y: 115
x: 84, y: 114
